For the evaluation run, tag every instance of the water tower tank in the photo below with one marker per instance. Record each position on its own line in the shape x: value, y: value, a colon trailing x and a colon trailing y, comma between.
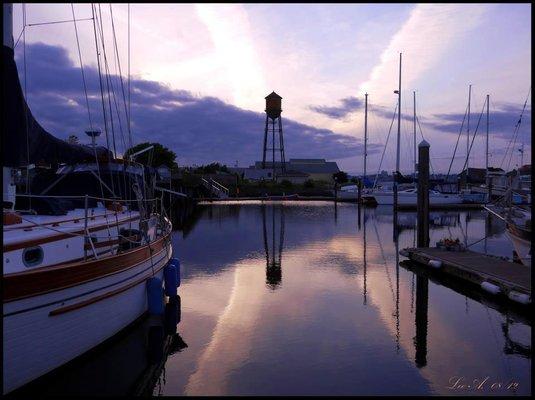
x: 273, y: 105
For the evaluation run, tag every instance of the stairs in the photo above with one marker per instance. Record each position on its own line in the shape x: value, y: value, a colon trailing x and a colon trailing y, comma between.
x: 215, y: 188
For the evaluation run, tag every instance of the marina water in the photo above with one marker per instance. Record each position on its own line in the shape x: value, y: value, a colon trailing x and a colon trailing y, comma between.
x: 306, y: 298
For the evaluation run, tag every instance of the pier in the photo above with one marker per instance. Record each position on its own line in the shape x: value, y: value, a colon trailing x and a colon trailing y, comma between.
x: 513, y: 280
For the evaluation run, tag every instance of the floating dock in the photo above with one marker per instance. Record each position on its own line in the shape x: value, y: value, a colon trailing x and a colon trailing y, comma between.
x: 492, y: 274
x: 460, y: 206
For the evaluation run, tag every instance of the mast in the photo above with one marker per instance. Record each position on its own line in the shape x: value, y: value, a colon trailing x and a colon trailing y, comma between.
x: 365, y: 132
x: 468, y: 134
x: 398, y: 139
x: 487, y: 144
x: 414, y: 133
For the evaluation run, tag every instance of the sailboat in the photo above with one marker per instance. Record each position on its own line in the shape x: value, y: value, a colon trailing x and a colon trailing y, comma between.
x: 77, y: 260
x: 519, y: 231
x: 409, y: 196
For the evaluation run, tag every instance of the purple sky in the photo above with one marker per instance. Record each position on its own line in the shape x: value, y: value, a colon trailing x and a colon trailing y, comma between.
x: 200, y: 74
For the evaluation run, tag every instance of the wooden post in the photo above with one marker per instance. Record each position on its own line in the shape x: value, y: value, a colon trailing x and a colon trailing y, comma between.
x: 359, y: 191
x: 423, y: 194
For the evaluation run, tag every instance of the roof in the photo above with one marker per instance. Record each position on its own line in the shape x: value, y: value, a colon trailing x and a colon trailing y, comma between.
x: 273, y: 95
x: 305, y: 165
x: 307, y: 160
x: 325, y: 167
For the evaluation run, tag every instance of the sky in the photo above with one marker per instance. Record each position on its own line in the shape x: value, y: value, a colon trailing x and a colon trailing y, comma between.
x: 200, y: 72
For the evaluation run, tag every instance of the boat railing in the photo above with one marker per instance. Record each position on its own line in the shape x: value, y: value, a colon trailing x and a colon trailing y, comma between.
x: 112, y: 199
x: 91, y: 238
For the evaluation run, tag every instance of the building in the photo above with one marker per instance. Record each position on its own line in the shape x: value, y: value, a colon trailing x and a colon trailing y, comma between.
x: 318, y: 169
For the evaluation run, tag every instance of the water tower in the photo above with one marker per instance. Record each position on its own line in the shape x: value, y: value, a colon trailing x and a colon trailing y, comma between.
x: 273, y: 113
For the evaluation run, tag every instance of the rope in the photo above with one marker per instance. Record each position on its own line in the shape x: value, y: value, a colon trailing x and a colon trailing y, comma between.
x: 457, y: 144
x: 28, y: 187
x: 384, y: 149
x: 60, y: 22
x: 473, y: 138
x: 21, y: 32
x: 101, y: 94
x: 422, y: 134
x: 82, y: 68
x: 515, y: 132
x: 79, y: 234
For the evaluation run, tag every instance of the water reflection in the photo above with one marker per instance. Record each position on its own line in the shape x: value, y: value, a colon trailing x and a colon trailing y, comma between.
x: 273, y: 251
x: 349, y: 318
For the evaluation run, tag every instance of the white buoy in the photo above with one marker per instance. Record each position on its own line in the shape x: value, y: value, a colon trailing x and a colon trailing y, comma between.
x: 435, y: 263
x: 490, y: 287
x: 521, y: 298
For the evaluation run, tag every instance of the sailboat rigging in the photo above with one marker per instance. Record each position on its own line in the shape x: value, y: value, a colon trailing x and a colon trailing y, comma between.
x: 79, y: 249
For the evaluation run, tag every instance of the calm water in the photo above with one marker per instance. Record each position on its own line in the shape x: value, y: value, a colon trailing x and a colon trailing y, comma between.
x: 300, y: 299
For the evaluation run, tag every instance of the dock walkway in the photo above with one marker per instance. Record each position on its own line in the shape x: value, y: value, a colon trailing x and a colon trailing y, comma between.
x: 511, y: 278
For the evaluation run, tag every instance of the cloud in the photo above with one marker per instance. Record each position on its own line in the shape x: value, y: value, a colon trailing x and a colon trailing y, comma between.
x: 349, y: 105
x: 424, y: 38
x: 198, y: 129
x: 502, y: 121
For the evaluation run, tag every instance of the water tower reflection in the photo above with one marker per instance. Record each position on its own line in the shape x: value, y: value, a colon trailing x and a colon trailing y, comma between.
x: 273, y: 242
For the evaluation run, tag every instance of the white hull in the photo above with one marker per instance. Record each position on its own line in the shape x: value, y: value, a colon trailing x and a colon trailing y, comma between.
x: 522, y: 248
x: 387, y: 198
x: 36, y: 343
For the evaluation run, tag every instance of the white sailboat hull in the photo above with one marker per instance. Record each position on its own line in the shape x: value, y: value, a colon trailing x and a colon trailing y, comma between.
x: 36, y: 342
x: 522, y: 248
x: 387, y: 198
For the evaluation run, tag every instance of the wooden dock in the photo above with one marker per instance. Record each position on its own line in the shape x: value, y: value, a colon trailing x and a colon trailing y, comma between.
x: 513, y: 280
x: 461, y: 206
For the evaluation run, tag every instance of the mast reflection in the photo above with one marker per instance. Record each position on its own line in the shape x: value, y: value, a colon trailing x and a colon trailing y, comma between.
x: 273, y: 252
x: 420, y: 340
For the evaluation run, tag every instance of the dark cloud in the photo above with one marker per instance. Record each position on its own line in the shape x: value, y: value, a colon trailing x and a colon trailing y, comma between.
x: 198, y: 129
x: 349, y: 104
x: 502, y: 121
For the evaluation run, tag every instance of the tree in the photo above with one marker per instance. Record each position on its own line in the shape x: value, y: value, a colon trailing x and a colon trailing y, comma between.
x: 340, y: 177
x: 309, y: 183
x: 73, y: 139
x: 159, y: 155
x: 211, y: 168
x: 286, y: 184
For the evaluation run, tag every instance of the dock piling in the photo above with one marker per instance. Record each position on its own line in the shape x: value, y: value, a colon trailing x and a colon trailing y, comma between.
x: 423, y: 194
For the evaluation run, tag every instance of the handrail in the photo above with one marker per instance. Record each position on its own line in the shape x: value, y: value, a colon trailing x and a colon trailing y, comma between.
x: 83, y: 197
x: 219, y: 185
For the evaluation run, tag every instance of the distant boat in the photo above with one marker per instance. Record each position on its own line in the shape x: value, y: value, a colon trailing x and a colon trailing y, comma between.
x: 410, y: 197
x: 518, y: 223
x: 285, y: 197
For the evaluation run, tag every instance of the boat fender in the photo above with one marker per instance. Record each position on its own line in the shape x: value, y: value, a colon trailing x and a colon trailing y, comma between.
x: 155, y: 296
x: 404, y: 253
x: 176, y: 263
x: 521, y: 298
x: 170, y: 279
x: 490, y: 287
x: 435, y: 263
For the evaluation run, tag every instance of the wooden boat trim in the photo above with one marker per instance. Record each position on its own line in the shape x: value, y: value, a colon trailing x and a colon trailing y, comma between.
x: 81, y: 304
x: 61, y: 236
x: 49, y: 279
